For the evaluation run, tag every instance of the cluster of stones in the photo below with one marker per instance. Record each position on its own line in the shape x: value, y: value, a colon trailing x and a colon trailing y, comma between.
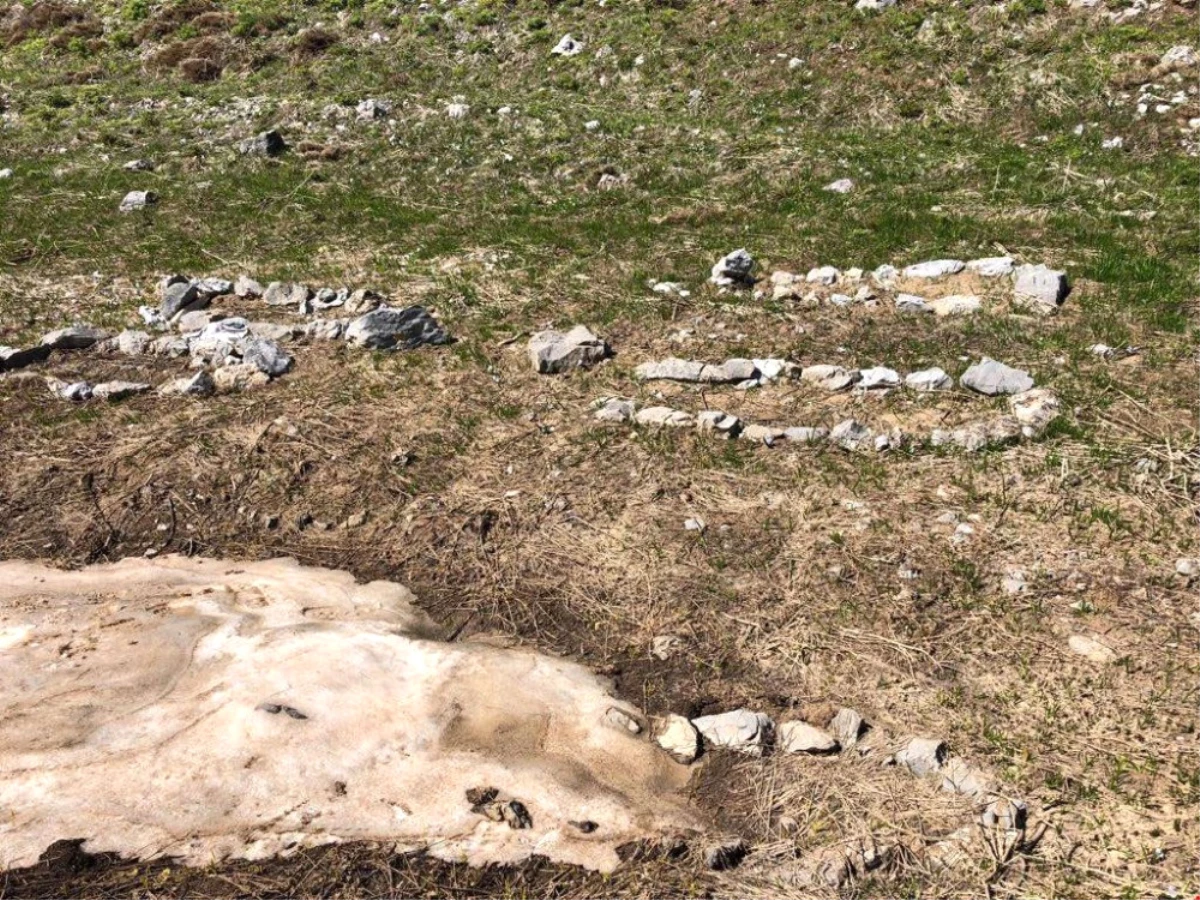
x: 1036, y: 288
x: 1030, y: 412
x: 755, y: 734
x: 231, y: 352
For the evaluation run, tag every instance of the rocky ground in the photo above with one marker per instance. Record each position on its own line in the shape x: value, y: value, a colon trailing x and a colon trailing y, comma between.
x: 824, y: 377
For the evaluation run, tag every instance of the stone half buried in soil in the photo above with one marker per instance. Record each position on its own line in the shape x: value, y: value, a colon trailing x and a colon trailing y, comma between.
x: 387, y: 328
x: 241, y: 710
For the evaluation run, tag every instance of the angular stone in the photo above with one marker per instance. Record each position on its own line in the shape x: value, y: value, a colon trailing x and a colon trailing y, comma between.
x: 554, y: 352
x: 679, y: 738
x: 1040, y: 288
x: 268, y: 143
x: 1187, y: 566
x: 135, y: 200
x: 911, y: 303
x: 76, y: 391
x: 785, y: 285
x: 1091, y: 648
x: 740, y: 730
x: 831, y: 378
x: 922, y: 756
x: 197, y: 320
x: 773, y: 369
x: 362, y: 301
x: 214, y: 287
x: 76, y: 337
x: 877, y: 377
x: 276, y: 331
x: 716, y: 422
x: 245, y: 286
x: 198, y: 385
x: 852, y: 435
x: 733, y: 269
x: 1009, y: 815
x: 615, y: 717
x: 266, y: 356
x: 925, y: 380
x: 956, y: 305
x: 959, y: 777
x: 762, y: 434
x: 15, y: 358
x: 118, y: 390
x: 826, y: 275
x: 286, y: 293
x: 396, y: 329
x: 672, y: 369
x: 664, y: 416
x: 567, y: 46
x: 800, y: 737
x: 847, y: 726
x: 934, y: 268
x: 178, y: 297
x: 995, y: 378
x: 841, y: 186
x: 371, y: 109
x: 239, y: 377
x: 805, y: 435
x: 991, y: 266
x: 1035, y: 409
x: 326, y: 329
x: 170, y: 347
x: 613, y: 409
x: 885, y: 274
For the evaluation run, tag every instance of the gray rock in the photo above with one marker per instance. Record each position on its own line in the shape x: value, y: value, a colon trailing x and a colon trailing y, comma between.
x: 669, y: 370
x: 956, y: 305
x: 266, y: 356
x: 198, y: 385
x: 959, y: 777
x: 716, y: 422
x: 286, y: 293
x: 831, y: 378
x: 911, y: 303
x: 554, y: 352
x: 622, y: 720
x: 326, y: 329
x: 396, y: 329
x: 847, y: 726
x: 826, y: 275
x: 362, y: 301
x: 170, y: 347
x: 76, y: 337
x: 135, y: 200
x: 567, y: 46
x: 664, y: 416
x: 842, y: 300
x: 877, y: 377
x: 762, y: 434
x: 852, y: 435
x: 1091, y: 648
x: 841, y: 186
x: 1009, y: 815
x: 991, y: 267
x: 133, y: 343
x: 1040, y: 288
x: 214, y: 287
x: 76, y: 391
x: 239, y: 377
x: 178, y: 297
x: 734, y: 270
x: 118, y: 390
x: 934, y: 268
x: 268, y: 143
x: 995, y: 378
x: 138, y: 165
x: 613, y: 409
x: 977, y: 435
x: 195, y: 320
x: 14, y: 358
x: 276, y: 331
x: 771, y: 369
x: 934, y: 379
x: 679, y: 738
x: 245, y: 286
x: 326, y: 298
x: 1188, y: 567
x: 873, y: 5
x: 371, y: 109
x: 885, y: 274
x: 805, y: 435
x: 922, y: 756
x: 1035, y: 410
x: 800, y: 737
x: 740, y: 730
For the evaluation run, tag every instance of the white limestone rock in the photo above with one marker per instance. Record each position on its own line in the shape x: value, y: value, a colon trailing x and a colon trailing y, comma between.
x: 740, y: 730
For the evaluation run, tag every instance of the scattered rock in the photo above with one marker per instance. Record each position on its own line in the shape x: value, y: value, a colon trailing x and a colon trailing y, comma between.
x: 239, y: 377
x: 885, y: 274
x: 716, y: 422
x: 805, y: 435
x: 138, y: 165
x: 178, y: 297
x: 118, y: 390
x: 847, y: 726
x: 14, y: 358
x: 740, y: 730
x: 665, y: 416
x: 76, y: 391
x: 268, y: 143
x: 956, y: 305
x: 1013, y: 582
x: 991, y: 267
x: 199, y: 385
x: 286, y: 293
x: 800, y: 737
x: 196, y: 320
x: 457, y: 110
x: 1189, y: 567
x: 1010, y: 815
x: 1035, y: 409
x: 852, y: 435
x: 214, y: 287
x: 555, y: 352
x: 959, y: 777
x: 396, y: 329
x: 911, y: 303
x: 734, y: 270
x: 922, y: 756
x: 362, y: 301
x: 358, y: 520
x: 75, y: 337
x: 874, y: 4
x: 934, y: 268
x: 1040, y: 288
x: 925, y: 380
x: 135, y: 200
x: 245, y: 286
x: 680, y: 738
x: 826, y: 275
x: 762, y: 434
x: 1091, y: 648
x: 841, y: 186
x: 266, y: 356
x: 730, y: 371
x: 831, y: 378
x: 615, y: 717
x: 371, y: 109
x: 877, y: 377
x: 613, y: 409
x: 567, y: 46
x: 994, y: 378
x: 697, y: 525
x: 663, y: 647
